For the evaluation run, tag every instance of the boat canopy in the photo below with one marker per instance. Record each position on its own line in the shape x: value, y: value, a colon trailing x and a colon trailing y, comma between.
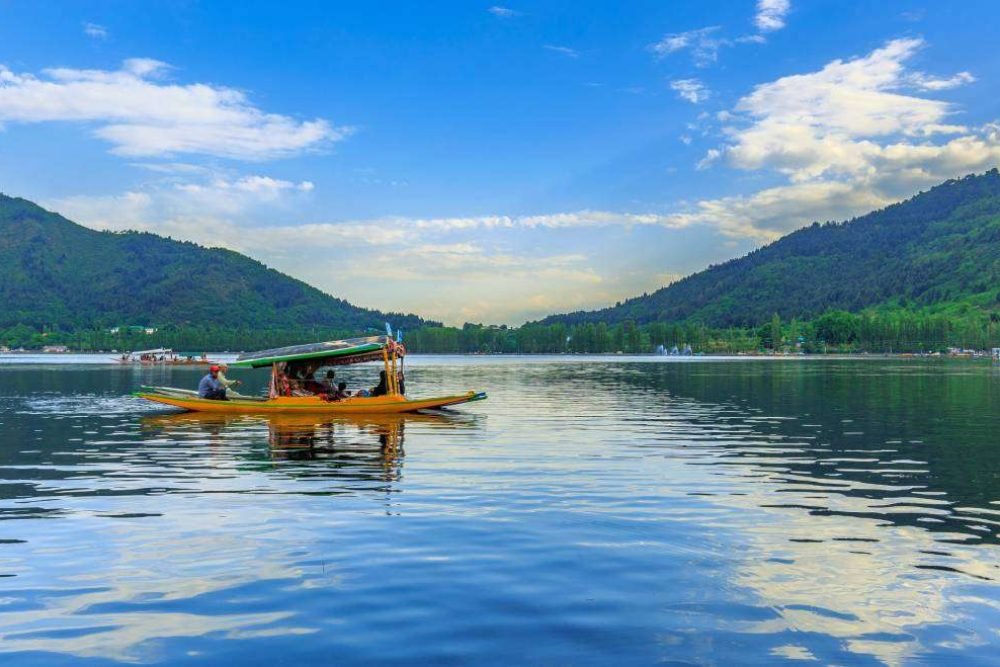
x: 332, y: 353
x: 159, y: 350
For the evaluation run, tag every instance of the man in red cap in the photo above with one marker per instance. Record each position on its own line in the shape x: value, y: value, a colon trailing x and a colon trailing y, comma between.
x: 210, y: 387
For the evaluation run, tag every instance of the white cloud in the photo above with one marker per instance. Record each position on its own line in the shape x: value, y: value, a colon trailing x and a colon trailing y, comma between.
x: 479, y: 268
x: 825, y: 122
x: 95, y: 30
x: 712, y: 155
x: 142, y: 116
x: 503, y: 12
x: 255, y: 188
x: 242, y: 212
x: 925, y: 82
x: 703, y: 43
x: 771, y: 14
x: 848, y: 138
x: 194, y: 210
x: 691, y: 90
x: 444, y: 268
x: 564, y: 50
x: 172, y: 167
x: 770, y: 213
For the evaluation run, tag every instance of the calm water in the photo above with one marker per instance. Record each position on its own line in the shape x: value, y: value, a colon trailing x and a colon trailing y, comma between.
x: 592, y: 511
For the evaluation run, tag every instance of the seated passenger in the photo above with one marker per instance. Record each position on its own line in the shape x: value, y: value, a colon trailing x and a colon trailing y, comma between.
x: 326, y: 386
x: 210, y: 387
x: 341, y: 391
x: 282, y: 386
x: 382, y: 388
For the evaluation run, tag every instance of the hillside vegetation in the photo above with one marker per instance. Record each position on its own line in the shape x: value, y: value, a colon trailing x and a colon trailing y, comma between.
x: 931, y: 252
x: 59, y: 276
x: 922, y: 275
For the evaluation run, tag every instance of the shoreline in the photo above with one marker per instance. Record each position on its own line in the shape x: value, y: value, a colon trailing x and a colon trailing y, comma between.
x: 27, y: 356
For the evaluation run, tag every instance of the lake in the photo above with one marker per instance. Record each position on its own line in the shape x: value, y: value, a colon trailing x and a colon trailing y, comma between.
x: 606, y: 510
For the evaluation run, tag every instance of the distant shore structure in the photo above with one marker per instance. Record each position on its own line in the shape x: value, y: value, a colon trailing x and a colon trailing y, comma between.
x: 164, y: 355
x: 996, y: 354
x: 675, y: 351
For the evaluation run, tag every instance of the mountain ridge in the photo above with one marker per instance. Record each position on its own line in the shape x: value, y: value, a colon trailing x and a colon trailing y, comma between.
x: 937, y: 247
x: 57, y: 273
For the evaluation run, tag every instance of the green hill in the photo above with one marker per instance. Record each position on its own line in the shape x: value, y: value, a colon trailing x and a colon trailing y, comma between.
x: 937, y: 251
x: 59, y: 275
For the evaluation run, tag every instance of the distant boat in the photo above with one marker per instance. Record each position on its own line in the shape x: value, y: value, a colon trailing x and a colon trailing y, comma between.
x: 163, y: 355
x: 293, y: 388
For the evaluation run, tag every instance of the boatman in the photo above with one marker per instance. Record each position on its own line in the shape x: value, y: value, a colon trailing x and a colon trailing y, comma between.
x: 223, y: 380
x: 210, y: 387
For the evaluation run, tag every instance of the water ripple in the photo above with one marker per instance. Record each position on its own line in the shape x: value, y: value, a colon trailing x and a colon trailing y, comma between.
x: 592, y: 511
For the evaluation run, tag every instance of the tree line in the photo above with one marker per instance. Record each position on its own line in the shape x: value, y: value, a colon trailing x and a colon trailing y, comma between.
x: 835, y: 331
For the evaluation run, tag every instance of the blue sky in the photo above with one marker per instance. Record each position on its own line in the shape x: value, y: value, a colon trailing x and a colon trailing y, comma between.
x: 490, y: 162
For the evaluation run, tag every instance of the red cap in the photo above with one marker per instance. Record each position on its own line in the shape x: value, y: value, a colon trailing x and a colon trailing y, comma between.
x: 214, y: 369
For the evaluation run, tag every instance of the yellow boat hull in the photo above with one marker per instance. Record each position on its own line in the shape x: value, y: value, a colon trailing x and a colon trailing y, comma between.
x: 311, y: 404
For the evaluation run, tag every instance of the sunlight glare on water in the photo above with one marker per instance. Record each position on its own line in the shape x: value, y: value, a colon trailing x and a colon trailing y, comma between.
x: 593, y: 510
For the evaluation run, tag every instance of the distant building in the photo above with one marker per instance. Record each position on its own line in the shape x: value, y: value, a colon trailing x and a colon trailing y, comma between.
x: 55, y: 349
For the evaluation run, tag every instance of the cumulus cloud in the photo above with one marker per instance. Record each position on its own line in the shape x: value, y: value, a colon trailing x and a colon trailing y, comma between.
x: 850, y: 137
x: 771, y: 14
x: 95, y: 30
x: 703, y: 44
x: 828, y: 122
x: 142, y: 115
x: 691, y: 90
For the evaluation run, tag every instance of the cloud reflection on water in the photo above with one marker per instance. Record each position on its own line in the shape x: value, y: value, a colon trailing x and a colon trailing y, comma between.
x: 703, y: 512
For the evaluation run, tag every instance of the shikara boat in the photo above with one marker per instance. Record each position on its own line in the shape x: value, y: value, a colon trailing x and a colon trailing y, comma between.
x: 286, y: 396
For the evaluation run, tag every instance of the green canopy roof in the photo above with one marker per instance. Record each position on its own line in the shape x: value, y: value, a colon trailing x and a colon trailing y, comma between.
x: 351, y: 350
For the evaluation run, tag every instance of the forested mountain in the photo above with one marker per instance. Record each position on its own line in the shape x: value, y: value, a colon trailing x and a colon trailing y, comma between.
x: 921, y: 275
x: 61, y: 276
x: 939, y: 248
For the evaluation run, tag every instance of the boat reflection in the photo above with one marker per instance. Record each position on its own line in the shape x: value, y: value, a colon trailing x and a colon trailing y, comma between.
x: 308, y: 437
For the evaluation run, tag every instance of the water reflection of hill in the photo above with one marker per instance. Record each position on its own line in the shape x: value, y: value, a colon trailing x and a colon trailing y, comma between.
x: 919, y: 444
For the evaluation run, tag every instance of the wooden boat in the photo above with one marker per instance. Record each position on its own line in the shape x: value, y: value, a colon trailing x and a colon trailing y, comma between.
x: 285, y: 395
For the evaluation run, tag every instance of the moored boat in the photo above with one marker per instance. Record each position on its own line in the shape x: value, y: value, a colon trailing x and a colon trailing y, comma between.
x: 292, y: 391
x: 164, y: 356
